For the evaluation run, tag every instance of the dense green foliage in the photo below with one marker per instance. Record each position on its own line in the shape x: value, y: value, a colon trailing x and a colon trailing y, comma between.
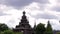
x: 58, y: 32
x: 3, y: 27
x: 40, y: 29
x: 5, y: 30
x: 49, y: 29
x: 8, y: 32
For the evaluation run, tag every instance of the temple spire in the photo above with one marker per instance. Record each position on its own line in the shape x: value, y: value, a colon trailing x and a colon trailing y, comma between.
x: 24, y: 16
x: 24, y: 12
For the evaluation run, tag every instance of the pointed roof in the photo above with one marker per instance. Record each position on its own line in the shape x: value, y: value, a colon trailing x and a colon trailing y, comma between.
x: 24, y: 12
x: 49, y: 27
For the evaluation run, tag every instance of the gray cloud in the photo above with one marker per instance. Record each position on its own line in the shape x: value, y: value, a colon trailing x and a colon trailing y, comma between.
x: 2, y: 13
x: 16, y: 3
x: 42, y: 1
x: 44, y: 16
x: 21, y: 3
x: 42, y: 6
x: 56, y: 8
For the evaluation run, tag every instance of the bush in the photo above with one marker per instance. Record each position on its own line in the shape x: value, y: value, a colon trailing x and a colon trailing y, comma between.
x: 8, y: 32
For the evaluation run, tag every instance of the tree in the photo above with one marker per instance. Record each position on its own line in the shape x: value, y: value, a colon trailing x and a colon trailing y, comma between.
x: 3, y: 27
x: 58, y: 32
x: 40, y: 29
x: 49, y: 29
x: 5, y: 30
x: 8, y: 32
x: 18, y: 33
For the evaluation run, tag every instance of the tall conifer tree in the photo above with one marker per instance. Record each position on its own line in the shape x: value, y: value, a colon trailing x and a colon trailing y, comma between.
x: 49, y: 29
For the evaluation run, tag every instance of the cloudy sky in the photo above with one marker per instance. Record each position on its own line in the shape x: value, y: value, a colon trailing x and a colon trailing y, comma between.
x: 39, y: 11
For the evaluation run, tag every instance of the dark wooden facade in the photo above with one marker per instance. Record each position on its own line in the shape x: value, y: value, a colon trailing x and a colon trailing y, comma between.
x: 24, y: 26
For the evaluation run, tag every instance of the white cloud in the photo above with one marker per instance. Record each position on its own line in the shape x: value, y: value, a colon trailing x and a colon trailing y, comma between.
x: 42, y: 10
x: 48, y: 12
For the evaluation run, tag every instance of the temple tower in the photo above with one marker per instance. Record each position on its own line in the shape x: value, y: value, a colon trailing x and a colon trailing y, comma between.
x: 24, y: 25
